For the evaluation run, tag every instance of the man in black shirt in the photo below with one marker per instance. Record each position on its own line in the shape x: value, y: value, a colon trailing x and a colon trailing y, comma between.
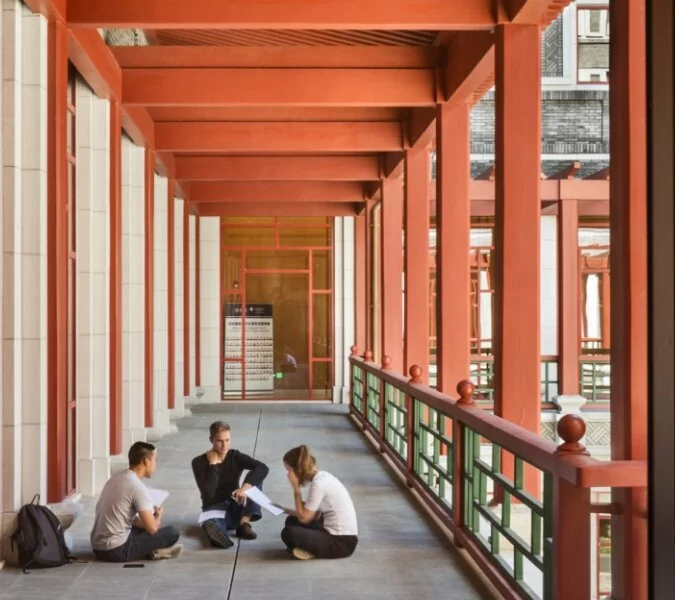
x: 217, y: 473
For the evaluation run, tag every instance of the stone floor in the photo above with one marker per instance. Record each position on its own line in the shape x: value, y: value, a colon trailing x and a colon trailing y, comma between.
x: 400, y: 554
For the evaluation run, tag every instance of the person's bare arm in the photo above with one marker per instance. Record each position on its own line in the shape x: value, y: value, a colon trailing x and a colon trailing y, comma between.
x: 303, y: 514
x: 148, y: 520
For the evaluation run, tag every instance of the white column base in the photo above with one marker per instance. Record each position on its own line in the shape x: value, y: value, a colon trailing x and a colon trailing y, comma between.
x: 208, y: 394
x: 340, y: 394
x: 7, y: 527
x: 118, y: 463
x: 162, y: 426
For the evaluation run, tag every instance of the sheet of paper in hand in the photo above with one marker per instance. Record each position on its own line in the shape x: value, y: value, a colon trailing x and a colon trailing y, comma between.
x: 259, y: 498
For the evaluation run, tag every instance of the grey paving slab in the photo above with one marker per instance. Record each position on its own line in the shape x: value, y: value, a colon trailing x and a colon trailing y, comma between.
x: 400, y: 553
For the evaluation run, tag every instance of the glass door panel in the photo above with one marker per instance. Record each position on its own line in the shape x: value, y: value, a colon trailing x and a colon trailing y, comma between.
x: 277, y: 336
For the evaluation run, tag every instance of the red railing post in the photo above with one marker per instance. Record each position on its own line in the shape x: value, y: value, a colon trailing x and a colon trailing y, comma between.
x: 571, y: 513
x: 367, y: 357
x: 415, y: 378
x: 386, y: 365
x: 465, y: 389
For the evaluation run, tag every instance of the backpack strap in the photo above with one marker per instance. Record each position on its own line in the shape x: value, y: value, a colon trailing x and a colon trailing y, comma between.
x: 36, y: 500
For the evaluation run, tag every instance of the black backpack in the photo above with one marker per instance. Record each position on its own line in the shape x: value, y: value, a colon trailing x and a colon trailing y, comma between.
x: 39, y: 538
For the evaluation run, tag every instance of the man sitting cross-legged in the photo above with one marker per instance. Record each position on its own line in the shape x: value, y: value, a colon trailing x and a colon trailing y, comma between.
x: 127, y: 525
x: 217, y: 473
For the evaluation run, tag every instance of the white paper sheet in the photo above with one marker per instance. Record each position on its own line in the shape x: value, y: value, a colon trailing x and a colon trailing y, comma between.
x: 211, y: 514
x: 158, y: 496
x: 258, y: 497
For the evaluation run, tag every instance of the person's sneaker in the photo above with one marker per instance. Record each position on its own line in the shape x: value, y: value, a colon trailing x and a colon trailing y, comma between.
x: 245, y: 532
x: 301, y: 554
x: 217, y: 536
x: 164, y: 553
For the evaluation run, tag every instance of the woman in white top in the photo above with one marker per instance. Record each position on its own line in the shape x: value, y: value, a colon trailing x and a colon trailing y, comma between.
x: 324, y: 525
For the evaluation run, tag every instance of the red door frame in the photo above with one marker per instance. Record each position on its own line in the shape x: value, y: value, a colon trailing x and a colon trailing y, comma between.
x: 241, y: 291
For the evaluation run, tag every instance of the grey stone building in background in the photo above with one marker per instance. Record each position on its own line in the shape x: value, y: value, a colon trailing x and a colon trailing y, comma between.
x: 575, y: 96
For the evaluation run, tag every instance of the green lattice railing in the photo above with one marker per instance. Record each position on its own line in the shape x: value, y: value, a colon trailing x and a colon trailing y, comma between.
x: 491, y: 482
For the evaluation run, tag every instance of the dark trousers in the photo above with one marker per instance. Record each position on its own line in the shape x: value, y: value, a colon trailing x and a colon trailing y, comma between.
x: 233, y: 514
x: 140, y: 545
x: 313, y: 538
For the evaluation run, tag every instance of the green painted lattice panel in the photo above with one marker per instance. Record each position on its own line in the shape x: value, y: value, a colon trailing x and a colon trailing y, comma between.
x: 396, y: 420
x: 433, y: 453
x: 508, y: 541
x: 373, y: 400
x: 357, y: 388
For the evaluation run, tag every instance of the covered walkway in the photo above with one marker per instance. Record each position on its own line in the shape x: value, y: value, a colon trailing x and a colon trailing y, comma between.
x: 401, y: 553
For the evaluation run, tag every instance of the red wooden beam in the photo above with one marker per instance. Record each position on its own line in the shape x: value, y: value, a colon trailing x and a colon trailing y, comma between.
x: 138, y: 125
x: 471, y: 60
x: 53, y: 10
x: 95, y: 63
x: 568, y: 172
x: 57, y: 263
x: 303, y: 14
x: 279, y: 87
x: 276, y: 114
x: 278, y: 137
x: 421, y: 128
x: 537, y: 12
x: 315, y: 57
x: 278, y: 168
x: 282, y: 191
x: 284, y: 209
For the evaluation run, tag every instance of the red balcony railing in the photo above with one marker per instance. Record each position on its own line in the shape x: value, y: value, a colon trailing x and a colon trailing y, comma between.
x: 519, y: 504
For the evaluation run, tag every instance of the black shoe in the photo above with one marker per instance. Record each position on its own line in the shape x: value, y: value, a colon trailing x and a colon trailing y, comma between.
x: 217, y: 536
x: 245, y: 532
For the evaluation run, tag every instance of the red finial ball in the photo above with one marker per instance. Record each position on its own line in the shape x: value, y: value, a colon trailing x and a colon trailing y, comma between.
x: 415, y: 374
x: 368, y: 356
x: 386, y: 362
x: 465, y: 389
x: 571, y: 428
x: 354, y: 350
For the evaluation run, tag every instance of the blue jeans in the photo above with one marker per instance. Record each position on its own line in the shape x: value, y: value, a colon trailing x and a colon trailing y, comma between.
x: 234, y: 512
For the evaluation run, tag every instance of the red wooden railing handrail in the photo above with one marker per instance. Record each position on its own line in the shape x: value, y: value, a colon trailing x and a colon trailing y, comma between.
x: 578, y: 469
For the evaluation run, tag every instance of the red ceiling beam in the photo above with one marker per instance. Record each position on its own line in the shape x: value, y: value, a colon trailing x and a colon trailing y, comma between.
x: 421, y: 128
x: 279, y: 87
x: 53, y: 10
x: 138, y: 125
x: 301, y: 14
x: 294, y: 137
x: 272, y: 209
x: 277, y: 168
x: 550, y: 190
x: 271, y: 57
x: 276, y: 113
x: 95, y: 63
x: 283, y: 191
x: 534, y: 11
x: 471, y: 62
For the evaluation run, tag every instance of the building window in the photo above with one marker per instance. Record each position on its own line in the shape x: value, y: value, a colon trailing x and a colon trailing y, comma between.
x: 592, y: 44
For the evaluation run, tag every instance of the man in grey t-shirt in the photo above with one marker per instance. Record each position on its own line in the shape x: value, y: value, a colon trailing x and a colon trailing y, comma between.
x: 127, y: 525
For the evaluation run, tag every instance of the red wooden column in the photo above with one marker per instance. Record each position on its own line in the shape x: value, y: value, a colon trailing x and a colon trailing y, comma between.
x: 57, y: 262
x: 360, y: 304
x: 149, y: 286
x: 417, y: 260
x: 115, y: 279
x: 569, y: 344
x: 392, y: 268
x: 186, y: 297
x: 517, y: 231
x: 198, y: 298
x: 628, y: 263
x: 453, y: 241
x: 171, y: 300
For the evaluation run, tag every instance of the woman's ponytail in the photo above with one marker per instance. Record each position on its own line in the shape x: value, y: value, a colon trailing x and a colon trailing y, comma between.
x: 300, y: 459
